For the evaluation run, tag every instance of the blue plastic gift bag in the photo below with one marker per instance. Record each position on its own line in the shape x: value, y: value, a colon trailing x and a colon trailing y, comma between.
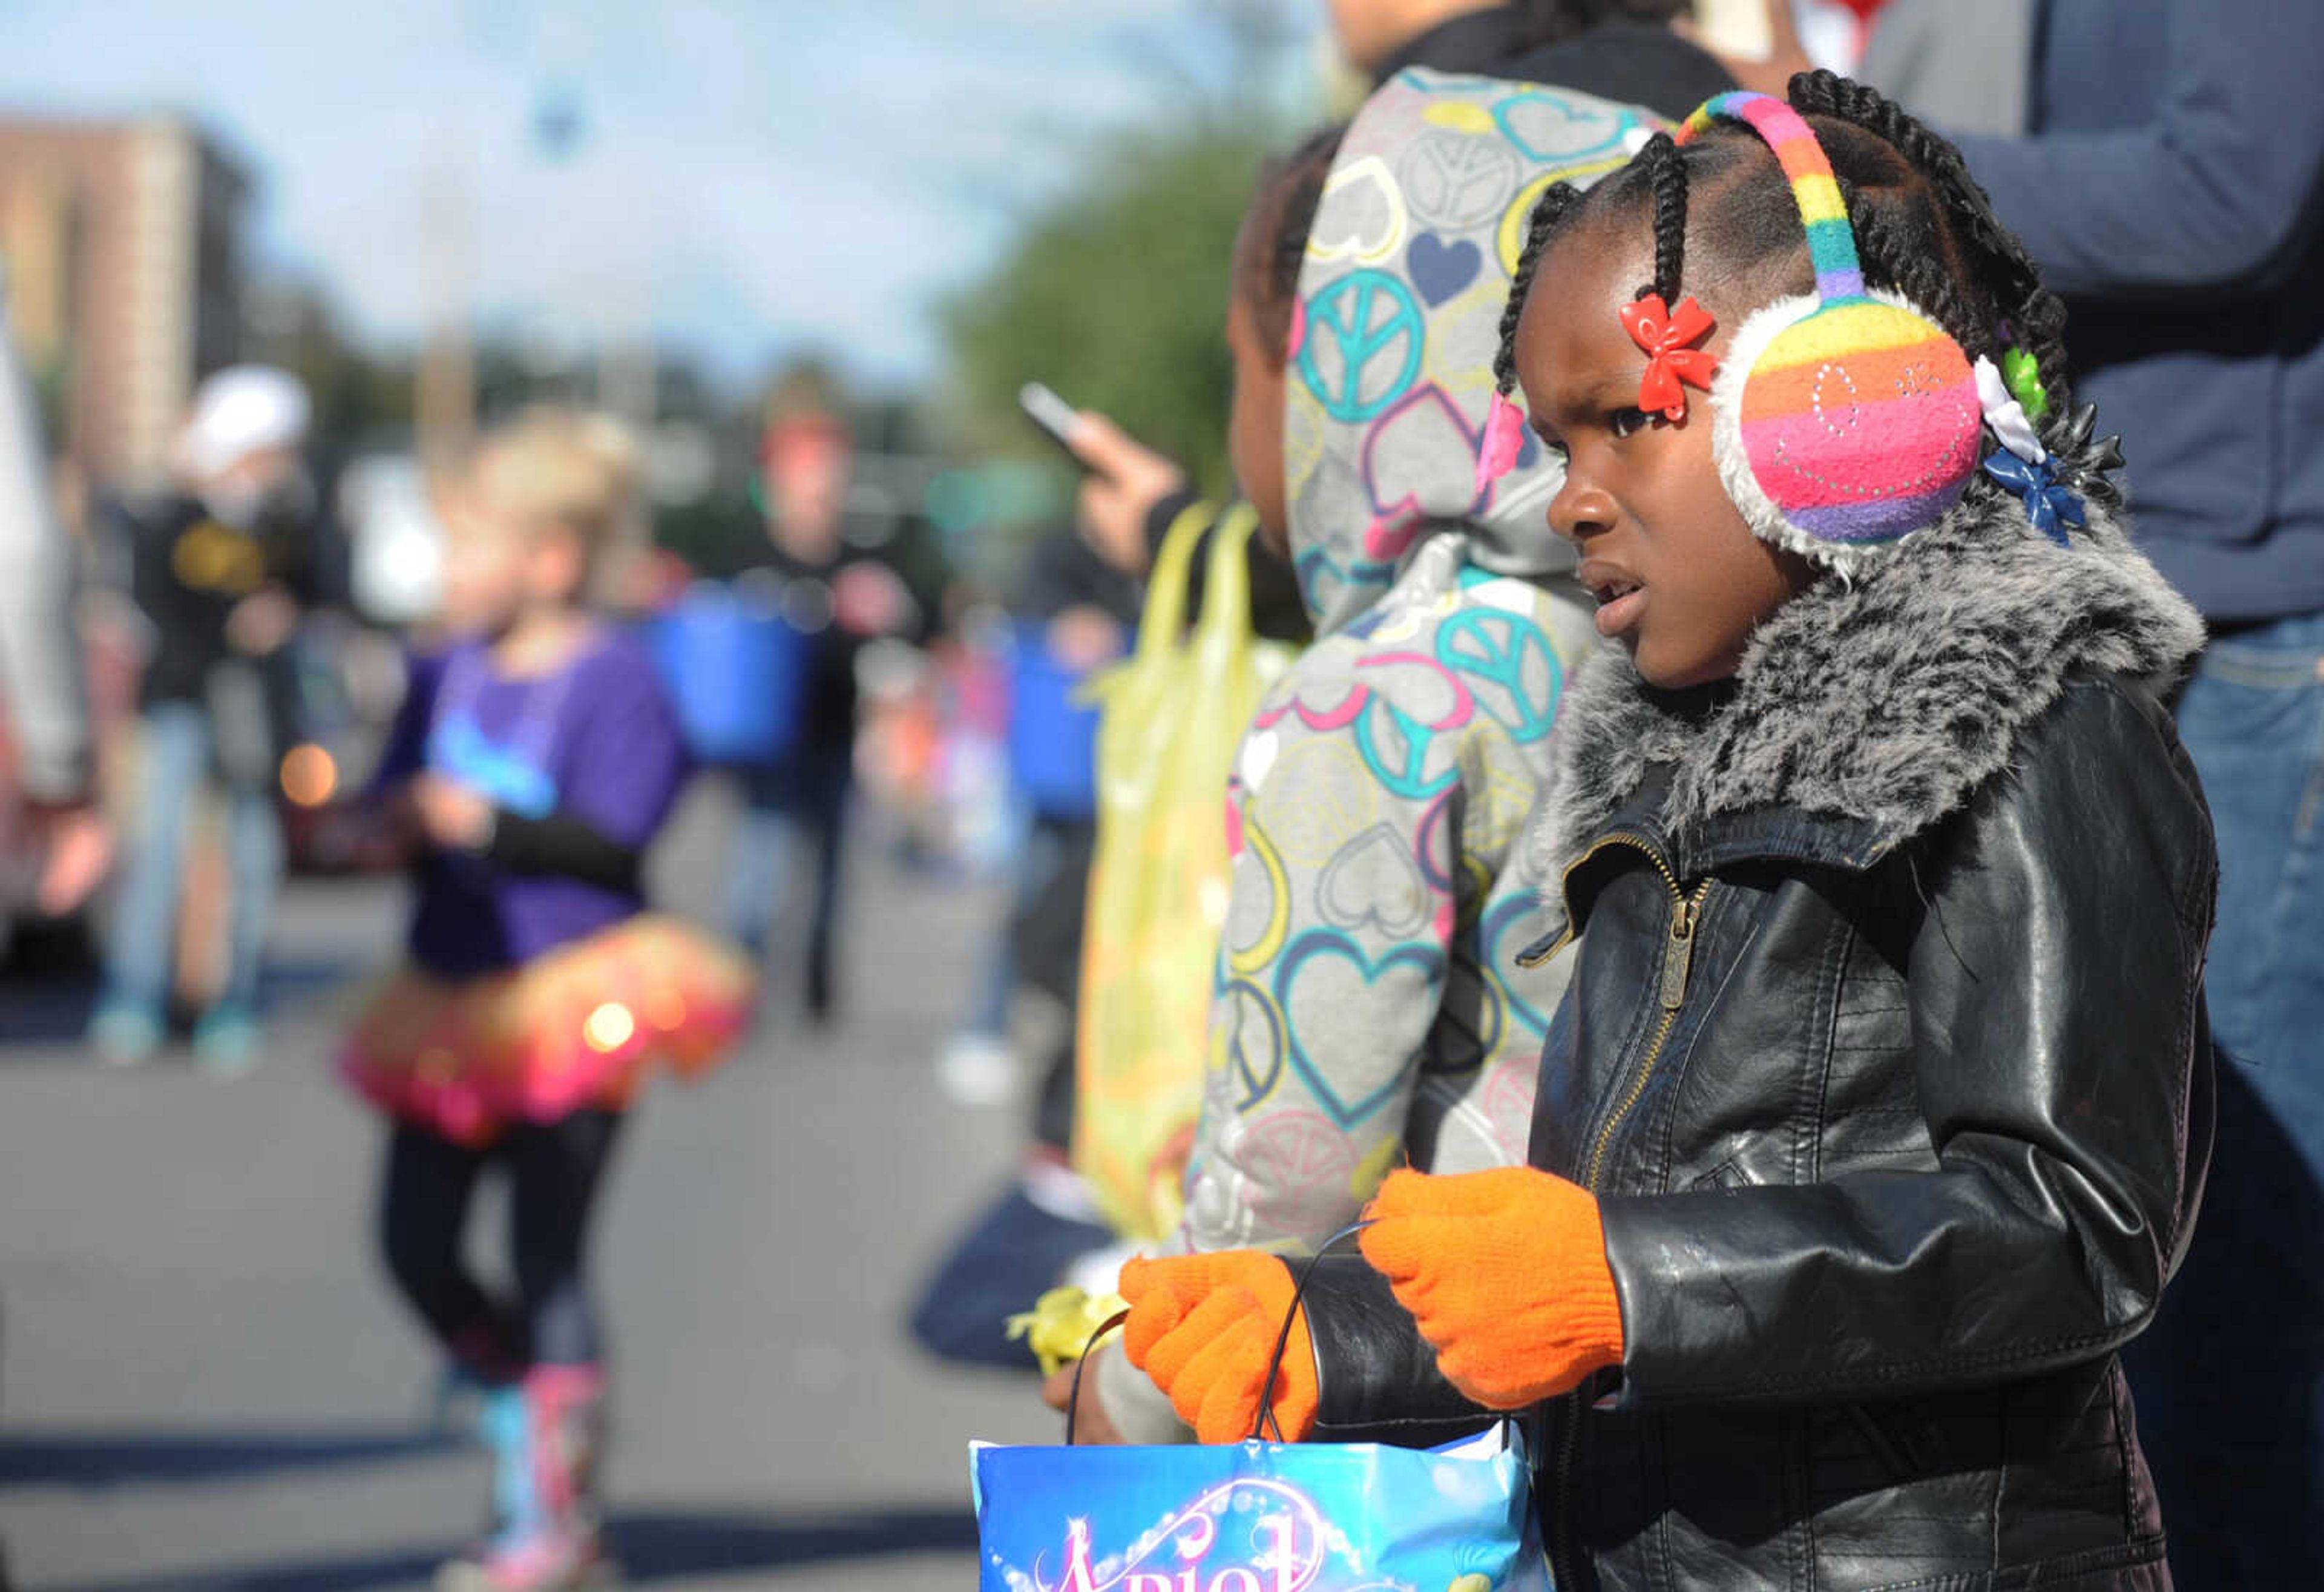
x: 736, y: 670
x: 1259, y: 1517
x: 1052, y: 731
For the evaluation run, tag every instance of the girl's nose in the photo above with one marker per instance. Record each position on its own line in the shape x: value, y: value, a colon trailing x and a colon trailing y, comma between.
x: 1579, y: 510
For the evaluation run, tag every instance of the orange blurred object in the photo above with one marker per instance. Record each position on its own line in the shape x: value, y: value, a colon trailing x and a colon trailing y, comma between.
x: 79, y: 849
x: 310, y: 776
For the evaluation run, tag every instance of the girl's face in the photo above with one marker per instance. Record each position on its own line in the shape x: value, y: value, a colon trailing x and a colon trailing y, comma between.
x: 483, y: 567
x: 1255, y: 427
x: 1680, y: 579
x: 495, y: 567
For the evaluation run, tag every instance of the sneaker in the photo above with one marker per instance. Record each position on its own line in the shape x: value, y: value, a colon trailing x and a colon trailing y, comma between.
x: 126, y: 1036
x: 977, y: 1070
x: 228, y: 1043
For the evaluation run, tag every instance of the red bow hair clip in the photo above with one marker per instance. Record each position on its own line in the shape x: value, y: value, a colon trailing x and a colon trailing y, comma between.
x: 1664, y: 335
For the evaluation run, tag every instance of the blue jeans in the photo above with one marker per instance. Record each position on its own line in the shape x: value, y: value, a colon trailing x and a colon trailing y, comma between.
x: 142, y: 951
x: 1042, y: 850
x: 2229, y: 1380
x: 796, y: 807
x: 2253, y: 719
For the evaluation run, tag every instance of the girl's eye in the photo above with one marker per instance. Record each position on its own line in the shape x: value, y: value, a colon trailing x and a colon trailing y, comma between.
x: 1625, y: 422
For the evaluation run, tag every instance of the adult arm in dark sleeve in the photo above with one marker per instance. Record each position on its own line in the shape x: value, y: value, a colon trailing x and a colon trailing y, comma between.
x: 1063, y: 571
x: 2061, y: 1058
x: 1163, y: 515
x: 1629, y: 62
x: 2213, y: 194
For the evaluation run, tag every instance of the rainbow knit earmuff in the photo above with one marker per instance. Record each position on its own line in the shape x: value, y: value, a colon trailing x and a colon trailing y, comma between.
x: 1846, y: 420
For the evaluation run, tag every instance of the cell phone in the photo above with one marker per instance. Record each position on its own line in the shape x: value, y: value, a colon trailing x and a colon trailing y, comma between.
x: 1055, y: 416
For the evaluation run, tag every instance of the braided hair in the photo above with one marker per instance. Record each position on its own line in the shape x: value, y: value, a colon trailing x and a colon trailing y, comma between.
x: 1923, y: 228
x: 1661, y: 179
x: 1666, y: 171
x: 1283, y: 205
x: 2037, y: 316
x: 1550, y: 211
x: 1987, y: 292
x: 1667, y: 177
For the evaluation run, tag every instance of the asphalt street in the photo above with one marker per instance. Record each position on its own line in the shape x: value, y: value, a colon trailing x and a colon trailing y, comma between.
x: 205, y: 1384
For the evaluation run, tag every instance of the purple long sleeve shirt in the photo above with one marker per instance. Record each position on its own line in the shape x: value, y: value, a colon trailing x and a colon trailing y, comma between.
x: 597, y: 741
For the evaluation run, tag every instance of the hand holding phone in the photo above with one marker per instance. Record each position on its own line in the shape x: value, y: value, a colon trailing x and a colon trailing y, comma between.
x: 1099, y: 446
x: 1058, y: 419
x: 1123, y: 478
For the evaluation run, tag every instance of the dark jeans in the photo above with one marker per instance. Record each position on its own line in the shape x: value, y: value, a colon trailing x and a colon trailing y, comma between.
x: 2229, y: 1380
x: 554, y: 1169
x: 1045, y: 937
x: 797, y: 809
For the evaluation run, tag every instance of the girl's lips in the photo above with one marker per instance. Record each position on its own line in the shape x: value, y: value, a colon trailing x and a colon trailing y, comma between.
x: 1621, y: 615
x: 1620, y: 595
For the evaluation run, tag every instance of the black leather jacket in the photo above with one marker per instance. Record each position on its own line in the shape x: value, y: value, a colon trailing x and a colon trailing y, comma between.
x: 1895, y: 1145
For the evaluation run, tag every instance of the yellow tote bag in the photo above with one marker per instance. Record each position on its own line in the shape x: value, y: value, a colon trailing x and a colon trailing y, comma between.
x: 1175, y: 713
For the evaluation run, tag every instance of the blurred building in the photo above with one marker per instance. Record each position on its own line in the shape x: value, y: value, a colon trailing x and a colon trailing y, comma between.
x: 123, y: 244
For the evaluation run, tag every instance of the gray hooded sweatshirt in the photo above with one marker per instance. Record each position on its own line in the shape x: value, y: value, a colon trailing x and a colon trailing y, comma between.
x: 1369, y: 1009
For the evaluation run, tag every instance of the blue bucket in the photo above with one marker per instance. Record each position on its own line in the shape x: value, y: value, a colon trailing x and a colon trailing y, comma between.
x: 737, y: 671
x: 1052, y: 738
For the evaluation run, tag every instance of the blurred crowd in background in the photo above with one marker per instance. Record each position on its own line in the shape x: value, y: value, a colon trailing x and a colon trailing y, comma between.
x: 875, y: 592
x: 935, y: 523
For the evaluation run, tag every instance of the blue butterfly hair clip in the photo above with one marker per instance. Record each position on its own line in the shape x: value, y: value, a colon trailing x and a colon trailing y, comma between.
x: 2022, y: 464
x: 2049, y: 505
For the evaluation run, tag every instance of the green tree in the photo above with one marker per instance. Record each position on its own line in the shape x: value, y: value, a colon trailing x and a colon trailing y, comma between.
x: 1115, y: 295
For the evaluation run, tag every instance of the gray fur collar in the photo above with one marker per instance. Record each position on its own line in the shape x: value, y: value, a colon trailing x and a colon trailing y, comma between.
x: 1885, y: 699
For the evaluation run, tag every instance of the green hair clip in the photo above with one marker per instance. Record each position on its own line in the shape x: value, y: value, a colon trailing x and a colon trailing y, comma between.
x: 2022, y: 376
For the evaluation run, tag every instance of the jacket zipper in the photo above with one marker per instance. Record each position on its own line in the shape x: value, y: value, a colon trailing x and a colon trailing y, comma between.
x: 1678, y: 964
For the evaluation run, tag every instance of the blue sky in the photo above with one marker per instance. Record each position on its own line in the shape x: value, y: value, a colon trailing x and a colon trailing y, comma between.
x: 757, y: 174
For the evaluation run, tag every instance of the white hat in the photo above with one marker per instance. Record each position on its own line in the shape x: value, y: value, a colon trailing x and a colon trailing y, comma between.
x: 243, y: 410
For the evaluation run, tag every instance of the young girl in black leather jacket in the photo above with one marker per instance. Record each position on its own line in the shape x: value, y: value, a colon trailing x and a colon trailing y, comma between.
x: 1877, y: 1116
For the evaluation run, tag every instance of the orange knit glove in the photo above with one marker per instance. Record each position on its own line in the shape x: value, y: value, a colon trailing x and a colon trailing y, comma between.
x: 1204, y: 1326
x: 1505, y: 1270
